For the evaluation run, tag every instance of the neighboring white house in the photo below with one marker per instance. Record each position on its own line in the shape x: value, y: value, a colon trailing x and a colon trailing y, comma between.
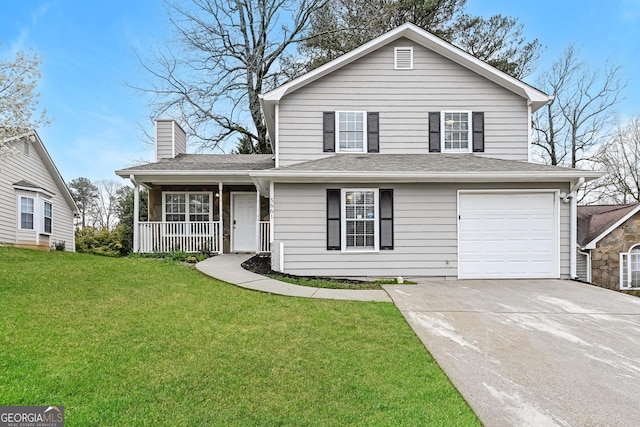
x: 406, y: 156
x: 36, y: 207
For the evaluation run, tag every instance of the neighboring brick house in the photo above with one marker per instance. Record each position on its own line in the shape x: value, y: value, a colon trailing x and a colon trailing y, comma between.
x: 609, y: 246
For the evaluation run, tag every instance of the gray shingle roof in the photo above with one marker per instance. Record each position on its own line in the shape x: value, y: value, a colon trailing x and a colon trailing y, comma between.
x: 28, y: 184
x: 596, y: 219
x: 201, y: 162
x: 436, y: 162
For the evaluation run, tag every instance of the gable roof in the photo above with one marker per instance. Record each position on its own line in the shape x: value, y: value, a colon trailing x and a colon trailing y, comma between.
x: 51, y: 168
x: 595, y: 222
x: 535, y: 97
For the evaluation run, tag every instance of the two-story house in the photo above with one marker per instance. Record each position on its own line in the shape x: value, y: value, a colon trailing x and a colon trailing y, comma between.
x: 406, y: 156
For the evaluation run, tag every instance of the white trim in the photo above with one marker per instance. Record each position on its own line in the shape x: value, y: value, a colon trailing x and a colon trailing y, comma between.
x: 44, y: 217
x: 33, y: 213
x: 173, y: 139
x: 272, y: 213
x: 155, y: 137
x: 627, y: 255
x: 556, y: 219
x: 34, y: 190
x: 258, y: 219
x: 395, y: 57
x: 587, y: 257
x: 186, y: 201
x: 469, y: 132
x: 365, y: 147
x: 281, y: 257
x: 529, y: 134
x: 277, y: 135
x: 592, y: 244
x: 376, y: 221
x: 221, y: 219
x: 136, y: 214
x: 232, y: 194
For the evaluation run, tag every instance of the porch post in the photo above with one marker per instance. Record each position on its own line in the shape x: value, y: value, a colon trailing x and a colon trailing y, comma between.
x: 136, y: 214
x: 272, y: 202
x: 258, y: 243
x: 220, y: 217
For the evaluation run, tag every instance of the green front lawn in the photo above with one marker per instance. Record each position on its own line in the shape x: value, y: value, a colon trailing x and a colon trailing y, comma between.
x: 150, y: 342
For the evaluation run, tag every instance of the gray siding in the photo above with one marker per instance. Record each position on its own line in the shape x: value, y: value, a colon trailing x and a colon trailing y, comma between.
x: 581, y: 265
x: 403, y: 98
x: 425, y: 231
x: 180, y: 140
x: 31, y: 168
x: 164, y: 139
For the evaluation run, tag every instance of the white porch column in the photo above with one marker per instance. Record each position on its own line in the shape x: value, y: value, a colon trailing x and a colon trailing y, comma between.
x: 220, y: 217
x: 258, y: 228
x: 272, y: 201
x: 136, y: 214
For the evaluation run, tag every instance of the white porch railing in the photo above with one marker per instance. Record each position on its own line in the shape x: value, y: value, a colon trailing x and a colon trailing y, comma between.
x: 179, y: 236
x: 265, y: 236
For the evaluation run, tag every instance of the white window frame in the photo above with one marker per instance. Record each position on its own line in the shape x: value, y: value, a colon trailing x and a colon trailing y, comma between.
x: 626, y: 261
x: 44, y: 217
x: 376, y: 220
x: 187, y: 213
x: 33, y: 213
x: 364, y: 132
x: 395, y: 57
x: 443, y: 132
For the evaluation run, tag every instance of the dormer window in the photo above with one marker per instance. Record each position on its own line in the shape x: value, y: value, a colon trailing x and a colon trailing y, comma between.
x: 403, y: 58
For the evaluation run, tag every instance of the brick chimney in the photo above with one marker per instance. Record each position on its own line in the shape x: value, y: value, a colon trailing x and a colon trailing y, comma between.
x: 171, y: 139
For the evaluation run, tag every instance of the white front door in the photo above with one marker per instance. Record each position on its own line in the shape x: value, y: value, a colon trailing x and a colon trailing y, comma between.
x: 507, y: 235
x: 243, y: 222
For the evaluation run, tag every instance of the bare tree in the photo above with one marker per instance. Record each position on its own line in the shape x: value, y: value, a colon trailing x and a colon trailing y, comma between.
x: 343, y: 25
x: 18, y: 98
x: 578, y: 119
x: 223, y: 56
x: 105, y: 213
x: 619, y: 158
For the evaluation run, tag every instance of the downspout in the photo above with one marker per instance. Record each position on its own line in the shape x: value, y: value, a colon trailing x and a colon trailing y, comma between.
x: 574, y: 228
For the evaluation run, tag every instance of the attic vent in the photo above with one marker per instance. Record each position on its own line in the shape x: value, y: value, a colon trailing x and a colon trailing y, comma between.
x: 404, y: 58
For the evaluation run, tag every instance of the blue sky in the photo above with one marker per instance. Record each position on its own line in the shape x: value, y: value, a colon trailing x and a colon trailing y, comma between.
x: 88, y: 50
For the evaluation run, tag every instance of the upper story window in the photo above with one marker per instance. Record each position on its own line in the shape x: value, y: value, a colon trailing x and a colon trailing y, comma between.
x: 351, y: 135
x: 27, y: 206
x: 187, y: 207
x: 403, y: 58
x: 456, y: 135
x: 456, y: 132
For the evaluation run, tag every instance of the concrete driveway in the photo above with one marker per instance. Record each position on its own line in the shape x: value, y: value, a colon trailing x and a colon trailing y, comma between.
x: 532, y: 352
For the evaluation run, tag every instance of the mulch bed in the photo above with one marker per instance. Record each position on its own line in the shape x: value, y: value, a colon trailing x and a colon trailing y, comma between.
x: 261, y: 264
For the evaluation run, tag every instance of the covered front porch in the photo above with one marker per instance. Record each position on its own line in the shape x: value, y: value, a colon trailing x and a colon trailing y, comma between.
x: 217, y: 218
x: 201, y: 203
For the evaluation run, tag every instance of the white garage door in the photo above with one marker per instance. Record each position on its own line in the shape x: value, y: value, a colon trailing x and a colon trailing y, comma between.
x: 507, y: 235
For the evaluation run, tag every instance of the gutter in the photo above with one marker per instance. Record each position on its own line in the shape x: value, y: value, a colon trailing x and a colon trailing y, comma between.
x: 574, y: 228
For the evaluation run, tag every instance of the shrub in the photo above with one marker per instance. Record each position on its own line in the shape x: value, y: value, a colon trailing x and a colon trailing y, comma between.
x: 98, y: 241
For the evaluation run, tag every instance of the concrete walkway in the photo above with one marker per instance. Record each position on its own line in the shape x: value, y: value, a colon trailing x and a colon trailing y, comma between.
x: 532, y: 352
x: 228, y: 269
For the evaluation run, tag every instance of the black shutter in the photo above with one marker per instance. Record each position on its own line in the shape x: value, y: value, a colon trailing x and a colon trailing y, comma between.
x: 373, y: 139
x: 386, y: 219
x: 329, y: 132
x: 478, y: 132
x: 434, y: 132
x: 333, y: 220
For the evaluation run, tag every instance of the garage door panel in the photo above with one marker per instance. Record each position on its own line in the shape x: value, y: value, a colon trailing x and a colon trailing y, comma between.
x: 507, y: 235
